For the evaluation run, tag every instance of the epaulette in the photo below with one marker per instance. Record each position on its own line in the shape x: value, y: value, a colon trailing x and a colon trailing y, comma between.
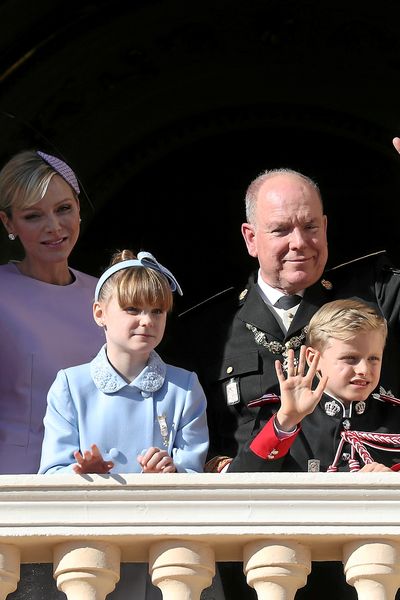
x: 265, y: 399
x: 356, y: 260
x: 386, y: 396
x: 213, y: 298
x: 242, y: 296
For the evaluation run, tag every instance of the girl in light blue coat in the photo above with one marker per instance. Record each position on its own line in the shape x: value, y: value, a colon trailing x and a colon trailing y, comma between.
x: 127, y: 411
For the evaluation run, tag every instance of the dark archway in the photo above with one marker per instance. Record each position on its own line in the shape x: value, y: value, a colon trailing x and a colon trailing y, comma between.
x: 168, y: 109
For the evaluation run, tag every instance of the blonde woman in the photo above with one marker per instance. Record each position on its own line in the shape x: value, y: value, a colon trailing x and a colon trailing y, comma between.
x: 45, y: 306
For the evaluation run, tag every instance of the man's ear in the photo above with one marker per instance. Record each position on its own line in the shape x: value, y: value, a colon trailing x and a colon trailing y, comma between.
x: 249, y: 234
x: 98, y: 313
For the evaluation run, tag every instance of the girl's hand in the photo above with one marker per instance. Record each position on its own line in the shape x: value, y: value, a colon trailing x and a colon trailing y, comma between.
x: 91, y: 461
x: 396, y: 144
x: 297, y: 397
x: 156, y: 461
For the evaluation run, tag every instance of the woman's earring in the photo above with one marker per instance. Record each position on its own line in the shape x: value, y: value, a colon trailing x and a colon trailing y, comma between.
x: 12, y: 236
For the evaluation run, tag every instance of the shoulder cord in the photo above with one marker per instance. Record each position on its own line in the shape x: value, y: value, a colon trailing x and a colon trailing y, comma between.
x: 358, y: 440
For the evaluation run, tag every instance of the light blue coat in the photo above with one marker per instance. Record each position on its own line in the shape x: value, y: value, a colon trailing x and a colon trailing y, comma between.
x: 92, y: 404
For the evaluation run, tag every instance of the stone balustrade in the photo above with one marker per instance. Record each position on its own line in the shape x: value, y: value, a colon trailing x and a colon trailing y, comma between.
x: 276, y: 524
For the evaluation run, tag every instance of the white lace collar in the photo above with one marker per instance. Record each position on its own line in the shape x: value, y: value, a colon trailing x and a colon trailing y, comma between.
x: 107, y: 379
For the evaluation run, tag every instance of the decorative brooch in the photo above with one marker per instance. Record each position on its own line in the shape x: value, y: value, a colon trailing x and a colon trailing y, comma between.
x: 162, y: 421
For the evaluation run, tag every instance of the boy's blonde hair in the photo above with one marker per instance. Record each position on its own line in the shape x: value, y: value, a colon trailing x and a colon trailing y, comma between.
x: 343, y: 320
x: 137, y: 286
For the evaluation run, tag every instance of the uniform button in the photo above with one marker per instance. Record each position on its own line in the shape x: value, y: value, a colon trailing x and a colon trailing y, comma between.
x: 345, y: 456
x: 346, y: 424
x: 290, y: 315
x: 229, y: 370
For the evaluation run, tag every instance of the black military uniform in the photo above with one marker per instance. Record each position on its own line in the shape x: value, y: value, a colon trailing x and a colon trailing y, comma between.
x: 233, y: 340
x: 214, y: 340
x: 319, y: 446
x: 329, y: 439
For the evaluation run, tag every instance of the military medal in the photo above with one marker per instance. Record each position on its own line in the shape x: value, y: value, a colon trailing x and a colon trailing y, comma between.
x: 232, y: 392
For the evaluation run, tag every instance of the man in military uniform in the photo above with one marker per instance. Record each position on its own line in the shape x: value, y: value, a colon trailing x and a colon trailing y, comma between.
x: 233, y: 340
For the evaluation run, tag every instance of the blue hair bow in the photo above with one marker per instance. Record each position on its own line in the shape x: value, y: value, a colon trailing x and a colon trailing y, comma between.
x: 144, y: 259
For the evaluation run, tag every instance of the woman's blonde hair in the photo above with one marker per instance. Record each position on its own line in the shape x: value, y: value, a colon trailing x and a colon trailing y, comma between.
x: 24, y: 180
x: 343, y: 320
x: 137, y: 286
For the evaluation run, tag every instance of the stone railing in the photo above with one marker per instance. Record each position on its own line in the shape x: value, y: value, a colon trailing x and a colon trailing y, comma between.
x: 181, y: 524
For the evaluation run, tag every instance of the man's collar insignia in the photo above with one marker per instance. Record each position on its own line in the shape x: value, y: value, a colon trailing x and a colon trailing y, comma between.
x: 243, y: 294
x: 328, y: 285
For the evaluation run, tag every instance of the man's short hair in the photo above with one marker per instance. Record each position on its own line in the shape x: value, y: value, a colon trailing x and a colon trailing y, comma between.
x: 254, y: 187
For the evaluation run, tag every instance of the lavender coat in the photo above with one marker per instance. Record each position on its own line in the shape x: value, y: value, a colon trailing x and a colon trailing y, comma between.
x: 43, y: 328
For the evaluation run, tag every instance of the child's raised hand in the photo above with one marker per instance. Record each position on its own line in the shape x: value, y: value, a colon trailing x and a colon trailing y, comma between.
x: 297, y: 397
x: 91, y: 461
x: 155, y: 460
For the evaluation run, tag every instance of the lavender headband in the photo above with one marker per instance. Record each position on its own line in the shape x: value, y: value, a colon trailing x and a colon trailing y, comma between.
x: 62, y: 169
x: 144, y: 259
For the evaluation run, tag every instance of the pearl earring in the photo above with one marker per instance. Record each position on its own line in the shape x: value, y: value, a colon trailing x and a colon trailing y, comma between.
x: 12, y: 236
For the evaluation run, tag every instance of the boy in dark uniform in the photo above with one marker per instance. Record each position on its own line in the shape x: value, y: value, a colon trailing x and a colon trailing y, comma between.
x: 341, y: 425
